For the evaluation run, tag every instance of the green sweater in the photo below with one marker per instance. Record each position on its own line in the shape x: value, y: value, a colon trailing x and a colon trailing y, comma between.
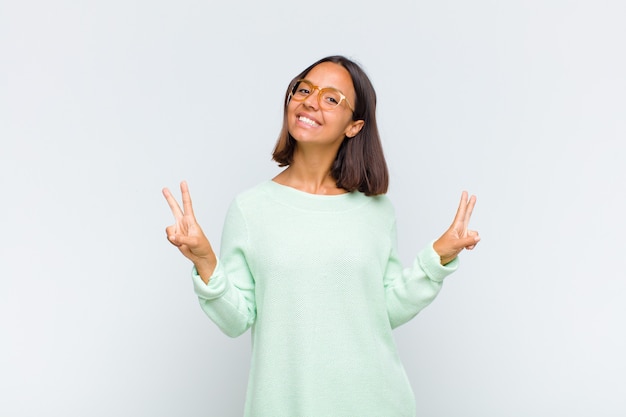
x: 319, y: 280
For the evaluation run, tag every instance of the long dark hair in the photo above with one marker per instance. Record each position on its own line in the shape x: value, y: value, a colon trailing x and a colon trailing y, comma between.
x: 360, y: 163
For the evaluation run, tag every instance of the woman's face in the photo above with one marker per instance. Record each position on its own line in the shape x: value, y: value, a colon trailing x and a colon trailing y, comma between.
x: 308, y: 123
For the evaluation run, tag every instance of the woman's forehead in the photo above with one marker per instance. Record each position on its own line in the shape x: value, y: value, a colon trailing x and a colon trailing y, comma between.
x: 329, y: 74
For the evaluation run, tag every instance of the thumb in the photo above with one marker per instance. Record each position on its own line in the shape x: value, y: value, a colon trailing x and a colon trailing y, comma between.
x: 469, y: 241
x: 178, y: 240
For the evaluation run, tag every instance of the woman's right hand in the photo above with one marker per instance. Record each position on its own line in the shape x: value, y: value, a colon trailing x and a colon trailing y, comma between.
x: 187, y: 235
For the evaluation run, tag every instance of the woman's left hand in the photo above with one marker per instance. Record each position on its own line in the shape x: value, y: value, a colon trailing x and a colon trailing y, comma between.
x: 458, y: 237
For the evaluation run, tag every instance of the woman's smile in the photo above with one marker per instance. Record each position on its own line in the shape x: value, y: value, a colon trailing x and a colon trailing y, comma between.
x: 308, y: 120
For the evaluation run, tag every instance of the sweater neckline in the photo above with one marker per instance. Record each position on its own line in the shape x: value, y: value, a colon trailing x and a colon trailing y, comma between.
x: 314, y: 202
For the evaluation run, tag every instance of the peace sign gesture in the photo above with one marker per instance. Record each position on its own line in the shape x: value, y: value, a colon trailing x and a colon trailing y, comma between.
x: 187, y: 235
x: 458, y: 237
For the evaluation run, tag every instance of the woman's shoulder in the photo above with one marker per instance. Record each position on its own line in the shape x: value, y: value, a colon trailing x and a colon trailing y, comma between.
x: 383, y: 203
x: 253, y: 191
x: 251, y: 196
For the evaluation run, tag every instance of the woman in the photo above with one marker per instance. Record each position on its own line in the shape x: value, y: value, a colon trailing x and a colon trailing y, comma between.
x: 309, y: 260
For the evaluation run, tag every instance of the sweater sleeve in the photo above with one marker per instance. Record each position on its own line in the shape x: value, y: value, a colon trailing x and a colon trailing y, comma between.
x: 228, y: 299
x: 409, y: 290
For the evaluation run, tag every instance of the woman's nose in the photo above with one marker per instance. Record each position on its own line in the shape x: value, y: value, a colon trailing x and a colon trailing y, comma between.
x: 312, y: 101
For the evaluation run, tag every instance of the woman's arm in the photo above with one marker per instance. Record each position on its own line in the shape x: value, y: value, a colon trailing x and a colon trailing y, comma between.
x: 409, y: 290
x: 225, y: 290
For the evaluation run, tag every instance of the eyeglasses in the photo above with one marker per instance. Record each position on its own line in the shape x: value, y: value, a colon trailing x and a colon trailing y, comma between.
x: 329, y: 98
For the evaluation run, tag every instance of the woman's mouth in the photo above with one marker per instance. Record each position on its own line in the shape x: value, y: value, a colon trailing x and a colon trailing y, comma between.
x: 307, y: 121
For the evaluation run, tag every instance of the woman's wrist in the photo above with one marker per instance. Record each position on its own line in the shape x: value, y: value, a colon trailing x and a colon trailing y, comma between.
x: 445, y: 257
x: 205, y: 267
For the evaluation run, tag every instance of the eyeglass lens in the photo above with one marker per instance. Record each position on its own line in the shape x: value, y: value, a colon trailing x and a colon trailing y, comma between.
x: 329, y: 98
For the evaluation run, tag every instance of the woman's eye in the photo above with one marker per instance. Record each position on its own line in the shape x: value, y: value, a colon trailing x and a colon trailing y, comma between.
x: 331, y: 99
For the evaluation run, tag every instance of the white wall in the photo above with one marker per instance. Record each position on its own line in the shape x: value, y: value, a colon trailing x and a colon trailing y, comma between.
x: 104, y: 103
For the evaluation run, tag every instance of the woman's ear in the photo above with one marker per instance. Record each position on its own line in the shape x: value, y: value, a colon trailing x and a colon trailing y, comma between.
x: 354, y: 128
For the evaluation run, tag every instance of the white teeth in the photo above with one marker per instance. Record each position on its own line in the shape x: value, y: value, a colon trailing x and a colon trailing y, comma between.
x: 307, y: 121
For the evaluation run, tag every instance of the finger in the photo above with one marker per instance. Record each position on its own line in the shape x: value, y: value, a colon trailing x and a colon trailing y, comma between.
x: 173, y: 241
x: 472, y: 234
x: 468, y: 242
x: 187, y: 206
x: 469, y: 210
x: 470, y: 247
x: 170, y: 230
x: 460, y: 212
x: 171, y: 201
x: 180, y: 240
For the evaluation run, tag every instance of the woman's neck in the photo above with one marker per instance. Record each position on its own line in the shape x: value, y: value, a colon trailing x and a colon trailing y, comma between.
x: 310, y: 172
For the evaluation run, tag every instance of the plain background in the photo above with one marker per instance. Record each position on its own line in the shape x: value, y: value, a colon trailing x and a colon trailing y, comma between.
x: 102, y: 104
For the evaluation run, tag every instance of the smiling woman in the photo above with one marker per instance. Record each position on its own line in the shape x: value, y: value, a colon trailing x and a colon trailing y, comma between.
x: 358, y: 162
x: 309, y: 260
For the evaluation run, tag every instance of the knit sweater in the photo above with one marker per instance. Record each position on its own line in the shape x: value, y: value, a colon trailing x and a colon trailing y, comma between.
x: 319, y: 280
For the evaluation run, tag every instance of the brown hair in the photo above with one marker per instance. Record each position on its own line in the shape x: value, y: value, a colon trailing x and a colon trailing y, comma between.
x: 360, y: 163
